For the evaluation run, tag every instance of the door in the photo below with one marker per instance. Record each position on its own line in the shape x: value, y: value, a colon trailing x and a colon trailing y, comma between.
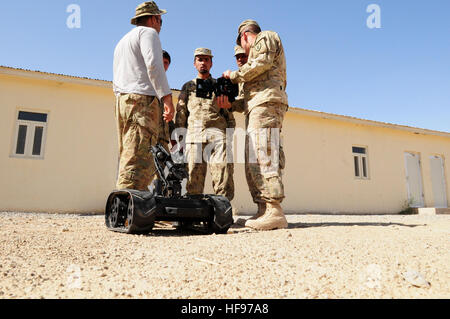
x: 414, y: 180
x: 438, y: 181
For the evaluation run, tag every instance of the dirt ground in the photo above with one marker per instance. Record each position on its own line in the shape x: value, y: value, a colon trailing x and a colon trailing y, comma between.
x: 319, y: 256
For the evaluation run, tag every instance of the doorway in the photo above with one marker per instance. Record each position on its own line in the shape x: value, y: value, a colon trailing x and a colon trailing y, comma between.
x: 438, y: 181
x: 414, y: 180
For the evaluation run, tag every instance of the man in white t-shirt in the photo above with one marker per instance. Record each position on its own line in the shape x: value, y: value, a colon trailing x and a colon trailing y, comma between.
x: 140, y: 83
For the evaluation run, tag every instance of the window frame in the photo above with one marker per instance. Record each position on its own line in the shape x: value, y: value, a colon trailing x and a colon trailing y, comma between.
x: 30, y: 135
x: 361, y: 159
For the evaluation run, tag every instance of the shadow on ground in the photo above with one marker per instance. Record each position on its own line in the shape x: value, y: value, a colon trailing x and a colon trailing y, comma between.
x: 308, y: 225
x: 174, y: 232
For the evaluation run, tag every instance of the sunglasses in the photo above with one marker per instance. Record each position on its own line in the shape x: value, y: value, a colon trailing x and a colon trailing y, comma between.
x: 240, y: 35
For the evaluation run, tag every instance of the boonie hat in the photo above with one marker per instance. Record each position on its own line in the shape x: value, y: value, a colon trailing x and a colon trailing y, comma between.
x: 148, y: 8
x: 202, y: 51
x: 242, y: 26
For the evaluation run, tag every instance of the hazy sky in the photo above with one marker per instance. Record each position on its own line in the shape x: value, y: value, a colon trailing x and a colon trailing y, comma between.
x: 399, y: 73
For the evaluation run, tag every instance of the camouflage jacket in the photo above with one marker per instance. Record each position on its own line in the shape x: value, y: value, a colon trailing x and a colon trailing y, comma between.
x: 200, y: 115
x: 264, y: 74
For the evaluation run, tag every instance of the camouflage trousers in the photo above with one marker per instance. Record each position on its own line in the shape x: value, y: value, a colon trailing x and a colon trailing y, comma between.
x: 221, y: 171
x: 264, y: 154
x: 138, y: 123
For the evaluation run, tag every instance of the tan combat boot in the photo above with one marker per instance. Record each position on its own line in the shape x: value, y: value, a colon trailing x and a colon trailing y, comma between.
x: 272, y: 219
x: 261, y: 211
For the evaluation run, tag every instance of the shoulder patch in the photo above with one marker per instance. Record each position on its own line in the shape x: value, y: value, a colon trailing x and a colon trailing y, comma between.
x: 261, y: 45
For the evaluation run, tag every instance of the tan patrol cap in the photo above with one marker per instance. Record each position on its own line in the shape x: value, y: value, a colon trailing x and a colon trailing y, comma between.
x: 148, y: 8
x: 238, y: 50
x: 202, y: 51
x: 242, y: 26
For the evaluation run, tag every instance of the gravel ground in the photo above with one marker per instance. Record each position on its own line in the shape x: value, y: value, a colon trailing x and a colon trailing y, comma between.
x: 319, y: 256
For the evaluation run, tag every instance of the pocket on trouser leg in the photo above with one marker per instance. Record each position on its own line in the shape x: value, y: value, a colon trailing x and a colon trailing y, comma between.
x: 268, y: 149
x: 222, y: 180
x: 146, y: 112
x: 273, y: 189
x: 137, y: 166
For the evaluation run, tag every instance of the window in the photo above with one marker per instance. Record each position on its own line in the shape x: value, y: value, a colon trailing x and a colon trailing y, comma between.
x: 30, y: 135
x: 360, y: 162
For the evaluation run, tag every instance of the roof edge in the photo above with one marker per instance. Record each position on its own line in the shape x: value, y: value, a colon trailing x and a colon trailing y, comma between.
x: 54, y: 77
x: 354, y: 120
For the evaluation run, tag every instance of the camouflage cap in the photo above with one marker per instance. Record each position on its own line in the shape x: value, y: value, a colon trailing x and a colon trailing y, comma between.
x: 148, y: 8
x: 238, y: 50
x: 202, y: 51
x: 242, y: 26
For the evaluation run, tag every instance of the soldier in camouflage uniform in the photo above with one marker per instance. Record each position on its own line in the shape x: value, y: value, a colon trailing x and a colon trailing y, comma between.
x: 240, y: 106
x: 206, y: 135
x: 264, y: 84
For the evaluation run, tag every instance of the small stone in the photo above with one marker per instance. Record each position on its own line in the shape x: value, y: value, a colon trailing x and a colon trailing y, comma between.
x: 416, y: 279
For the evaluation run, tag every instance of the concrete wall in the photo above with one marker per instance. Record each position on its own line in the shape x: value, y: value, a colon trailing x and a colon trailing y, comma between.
x: 320, y: 172
x: 79, y: 165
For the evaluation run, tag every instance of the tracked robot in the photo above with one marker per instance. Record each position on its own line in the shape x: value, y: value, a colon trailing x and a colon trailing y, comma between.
x: 135, y: 212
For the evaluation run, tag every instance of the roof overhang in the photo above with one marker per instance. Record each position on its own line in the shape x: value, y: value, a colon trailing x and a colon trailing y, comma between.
x: 354, y: 120
x: 61, y: 78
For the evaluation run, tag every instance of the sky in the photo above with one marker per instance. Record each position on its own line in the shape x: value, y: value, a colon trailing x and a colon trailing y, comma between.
x: 398, y: 73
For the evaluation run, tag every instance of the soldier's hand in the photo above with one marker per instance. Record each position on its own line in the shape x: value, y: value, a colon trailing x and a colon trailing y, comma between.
x: 223, y: 102
x: 169, y: 110
x: 227, y: 74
